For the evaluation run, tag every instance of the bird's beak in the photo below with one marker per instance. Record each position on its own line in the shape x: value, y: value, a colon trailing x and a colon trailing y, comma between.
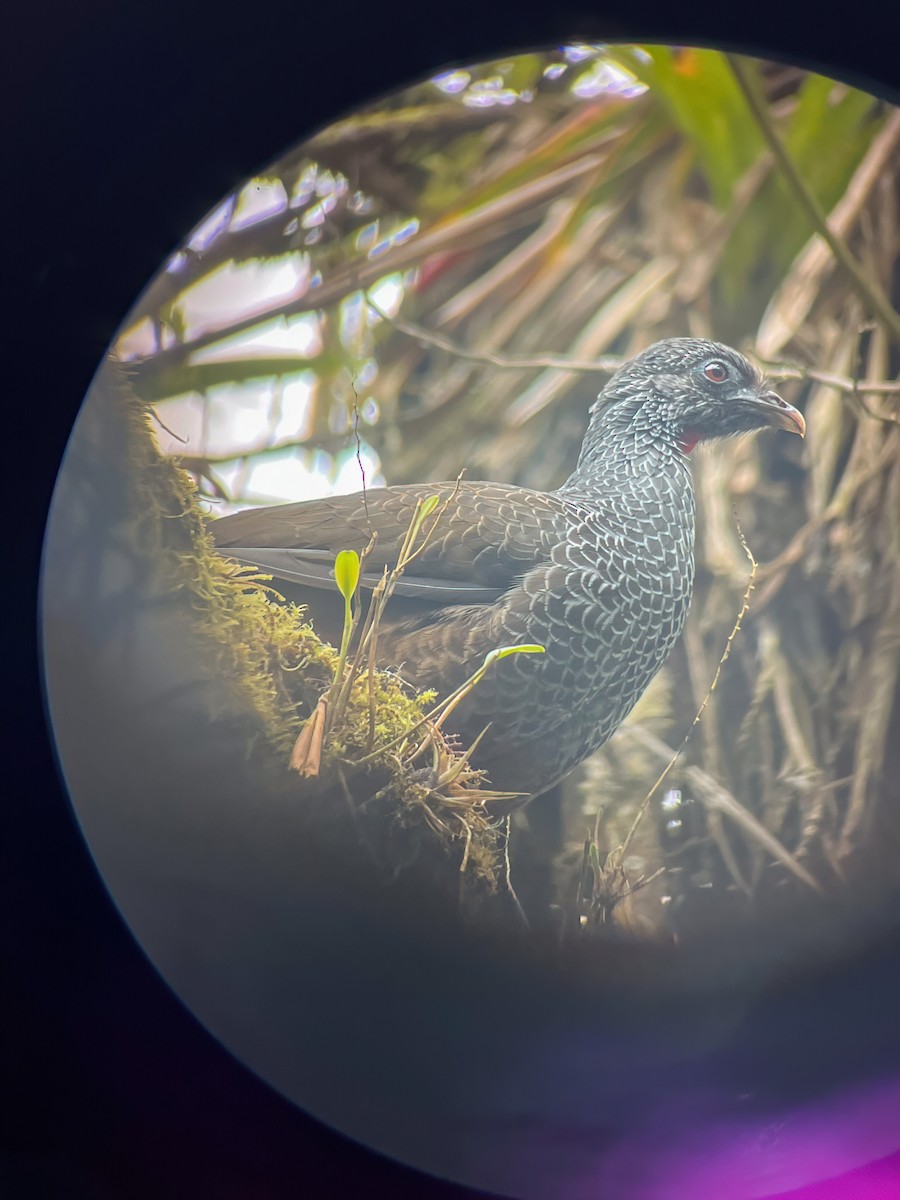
x: 777, y: 412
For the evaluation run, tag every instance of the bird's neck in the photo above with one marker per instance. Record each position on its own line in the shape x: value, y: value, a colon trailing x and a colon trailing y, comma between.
x: 621, y: 456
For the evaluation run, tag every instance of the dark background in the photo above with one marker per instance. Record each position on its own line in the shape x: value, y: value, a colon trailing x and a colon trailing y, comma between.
x: 112, y: 1088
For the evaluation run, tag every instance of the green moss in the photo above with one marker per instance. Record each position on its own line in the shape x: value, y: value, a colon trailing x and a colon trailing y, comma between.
x: 279, y: 668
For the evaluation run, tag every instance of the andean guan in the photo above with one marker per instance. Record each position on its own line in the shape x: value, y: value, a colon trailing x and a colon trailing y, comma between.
x: 599, y: 572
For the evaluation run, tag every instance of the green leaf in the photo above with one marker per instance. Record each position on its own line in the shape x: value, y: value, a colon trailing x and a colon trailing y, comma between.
x: 707, y: 106
x: 346, y: 573
x: 505, y: 651
x: 827, y: 134
x: 423, y: 510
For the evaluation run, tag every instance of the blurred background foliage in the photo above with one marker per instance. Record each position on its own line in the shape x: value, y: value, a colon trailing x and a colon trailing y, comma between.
x: 402, y: 293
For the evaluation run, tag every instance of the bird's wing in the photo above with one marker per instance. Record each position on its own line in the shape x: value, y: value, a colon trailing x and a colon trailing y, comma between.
x: 487, y: 536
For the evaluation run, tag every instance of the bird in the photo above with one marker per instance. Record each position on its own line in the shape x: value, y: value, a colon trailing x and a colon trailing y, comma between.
x: 598, y: 572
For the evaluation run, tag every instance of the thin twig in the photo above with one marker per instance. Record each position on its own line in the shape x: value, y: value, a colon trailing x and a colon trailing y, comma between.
x: 507, y: 873
x: 840, y: 383
x: 713, y: 795
x: 468, y: 831
x: 161, y: 423
x: 735, y: 630
x: 606, y: 364
x: 362, y: 469
x: 773, y: 573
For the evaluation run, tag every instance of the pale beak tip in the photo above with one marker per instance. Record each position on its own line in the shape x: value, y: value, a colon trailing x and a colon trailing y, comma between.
x: 786, y: 416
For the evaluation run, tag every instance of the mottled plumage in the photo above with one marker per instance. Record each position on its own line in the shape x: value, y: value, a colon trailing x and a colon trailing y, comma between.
x: 599, y: 572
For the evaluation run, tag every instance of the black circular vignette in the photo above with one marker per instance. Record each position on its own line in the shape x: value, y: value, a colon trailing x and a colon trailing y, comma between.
x: 117, y: 1089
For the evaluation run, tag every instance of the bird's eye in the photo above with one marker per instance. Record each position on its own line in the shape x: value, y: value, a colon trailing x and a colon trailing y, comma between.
x: 716, y: 372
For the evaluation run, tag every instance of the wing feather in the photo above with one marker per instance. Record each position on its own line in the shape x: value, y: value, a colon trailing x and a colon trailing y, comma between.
x: 486, y: 539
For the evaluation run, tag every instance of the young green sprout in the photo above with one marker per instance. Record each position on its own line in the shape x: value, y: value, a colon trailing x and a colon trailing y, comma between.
x: 346, y: 576
x: 476, y: 677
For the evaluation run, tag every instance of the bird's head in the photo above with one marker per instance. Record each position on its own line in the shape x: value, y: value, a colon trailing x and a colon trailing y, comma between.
x: 688, y: 390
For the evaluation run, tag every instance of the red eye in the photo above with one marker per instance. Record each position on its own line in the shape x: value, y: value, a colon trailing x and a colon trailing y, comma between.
x: 716, y: 372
